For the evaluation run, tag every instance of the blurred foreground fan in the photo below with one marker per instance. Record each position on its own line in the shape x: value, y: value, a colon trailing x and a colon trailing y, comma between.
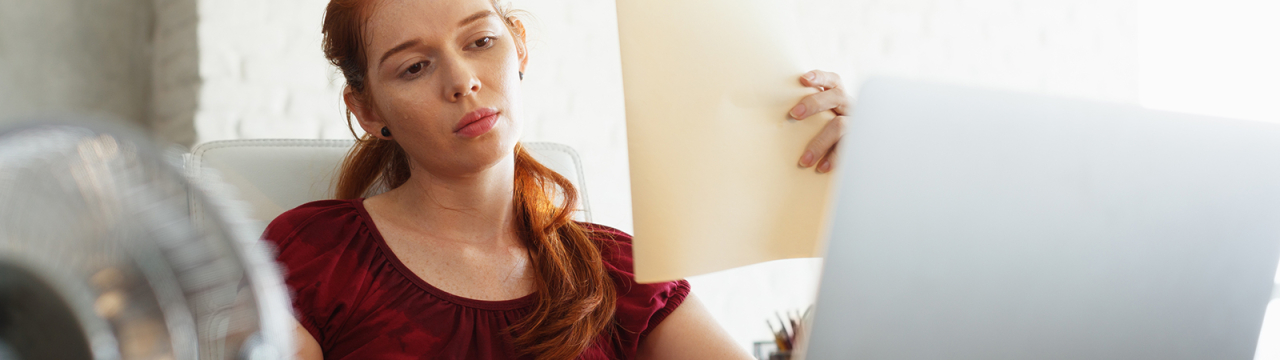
x: 100, y: 259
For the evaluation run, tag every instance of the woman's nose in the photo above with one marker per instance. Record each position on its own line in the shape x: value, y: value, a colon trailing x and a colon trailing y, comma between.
x: 463, y: 83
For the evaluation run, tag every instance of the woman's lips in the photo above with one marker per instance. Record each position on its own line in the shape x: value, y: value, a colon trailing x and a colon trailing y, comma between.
x: 476, y: 122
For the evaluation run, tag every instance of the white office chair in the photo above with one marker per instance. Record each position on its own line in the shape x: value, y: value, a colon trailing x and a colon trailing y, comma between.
x: 274, y: 175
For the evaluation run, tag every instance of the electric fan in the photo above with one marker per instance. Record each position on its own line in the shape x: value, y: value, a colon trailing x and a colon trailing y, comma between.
x: 100, y: 258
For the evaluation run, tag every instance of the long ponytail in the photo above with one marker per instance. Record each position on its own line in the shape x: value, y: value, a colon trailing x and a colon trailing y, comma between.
x: 373, y: 163
x: 575, y: 294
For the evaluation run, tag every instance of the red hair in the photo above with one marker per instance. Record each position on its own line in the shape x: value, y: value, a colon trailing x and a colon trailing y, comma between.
x: 575, y: 295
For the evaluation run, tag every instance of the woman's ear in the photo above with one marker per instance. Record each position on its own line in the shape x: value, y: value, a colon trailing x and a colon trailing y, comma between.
x: 522, y: 49
x: 365, y: 115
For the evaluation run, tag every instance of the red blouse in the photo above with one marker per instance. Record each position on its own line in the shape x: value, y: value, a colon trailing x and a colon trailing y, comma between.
x: 360, y: 302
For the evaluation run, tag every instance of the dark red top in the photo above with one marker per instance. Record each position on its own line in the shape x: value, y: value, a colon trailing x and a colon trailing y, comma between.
x: 360, y: 302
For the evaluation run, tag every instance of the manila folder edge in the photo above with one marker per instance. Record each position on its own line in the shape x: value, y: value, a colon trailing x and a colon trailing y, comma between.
x: 713, y: 155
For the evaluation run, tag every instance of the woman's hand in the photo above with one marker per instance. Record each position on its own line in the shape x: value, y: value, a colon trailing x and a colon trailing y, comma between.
x: 821, y: 150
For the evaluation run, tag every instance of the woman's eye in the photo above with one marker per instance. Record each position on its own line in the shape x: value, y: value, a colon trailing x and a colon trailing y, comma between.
x: 483, y: 42
x: 415, y: 68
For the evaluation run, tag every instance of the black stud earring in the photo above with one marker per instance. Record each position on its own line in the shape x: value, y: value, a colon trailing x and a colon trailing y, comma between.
x: 385, y: 132
x: 521, y: 75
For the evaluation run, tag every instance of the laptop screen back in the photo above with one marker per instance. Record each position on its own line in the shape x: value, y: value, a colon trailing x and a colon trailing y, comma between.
x: 974, y: 224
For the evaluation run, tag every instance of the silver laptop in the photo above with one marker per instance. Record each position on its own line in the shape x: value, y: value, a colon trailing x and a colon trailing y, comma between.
x: 975, y: 224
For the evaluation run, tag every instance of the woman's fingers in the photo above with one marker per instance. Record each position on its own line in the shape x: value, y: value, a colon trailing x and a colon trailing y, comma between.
x: 822, y: 147
x: 821, y: 150
x: 831, y: 99
x: 822, y: 79
x: 824, y: 166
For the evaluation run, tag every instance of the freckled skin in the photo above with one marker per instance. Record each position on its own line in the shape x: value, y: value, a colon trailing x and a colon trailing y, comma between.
x: 420, y: 93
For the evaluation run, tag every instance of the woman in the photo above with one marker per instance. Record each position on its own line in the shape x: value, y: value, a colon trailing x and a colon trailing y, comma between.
x: 468, y: 255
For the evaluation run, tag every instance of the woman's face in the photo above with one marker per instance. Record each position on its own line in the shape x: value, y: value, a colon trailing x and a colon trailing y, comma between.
x: 443, y: 78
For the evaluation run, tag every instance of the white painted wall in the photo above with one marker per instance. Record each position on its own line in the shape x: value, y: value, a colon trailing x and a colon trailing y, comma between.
x: 175, y: 71
x: 263, y: 75
x: 1218, y: 60
x: 75, y: 56
x: 1077, y: 48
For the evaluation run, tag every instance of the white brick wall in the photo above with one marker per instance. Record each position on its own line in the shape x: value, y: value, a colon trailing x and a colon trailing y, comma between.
x: 263, y: 75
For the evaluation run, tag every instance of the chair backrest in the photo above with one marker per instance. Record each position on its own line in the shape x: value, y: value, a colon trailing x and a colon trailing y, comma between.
x: 274, y: 175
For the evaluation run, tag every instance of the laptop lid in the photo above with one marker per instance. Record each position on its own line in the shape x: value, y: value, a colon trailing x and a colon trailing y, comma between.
x: 976, y: 224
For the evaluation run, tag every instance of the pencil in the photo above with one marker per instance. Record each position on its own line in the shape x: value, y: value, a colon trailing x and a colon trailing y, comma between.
x: 777, y: 339
x: 785, y: 334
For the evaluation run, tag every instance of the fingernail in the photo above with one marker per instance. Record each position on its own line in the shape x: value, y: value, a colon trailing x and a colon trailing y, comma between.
x: 809, y: 76
x: 807, y: 159
x: 798, y: 111
x: 826, y: 166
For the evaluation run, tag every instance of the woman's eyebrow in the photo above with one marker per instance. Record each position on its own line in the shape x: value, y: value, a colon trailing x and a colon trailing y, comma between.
x: 477, y: 16
x: 398, y: 48
x: 407, y: 44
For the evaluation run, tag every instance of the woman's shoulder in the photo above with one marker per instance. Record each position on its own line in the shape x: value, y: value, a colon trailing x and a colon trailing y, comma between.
x: 323, y: 248
x: 640, y: 307
x: 615, y: 250
x: 307, y: 212
x: 323, y: 216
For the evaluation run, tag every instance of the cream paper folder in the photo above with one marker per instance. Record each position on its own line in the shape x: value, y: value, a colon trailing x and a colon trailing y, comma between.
x: 713, y: 153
